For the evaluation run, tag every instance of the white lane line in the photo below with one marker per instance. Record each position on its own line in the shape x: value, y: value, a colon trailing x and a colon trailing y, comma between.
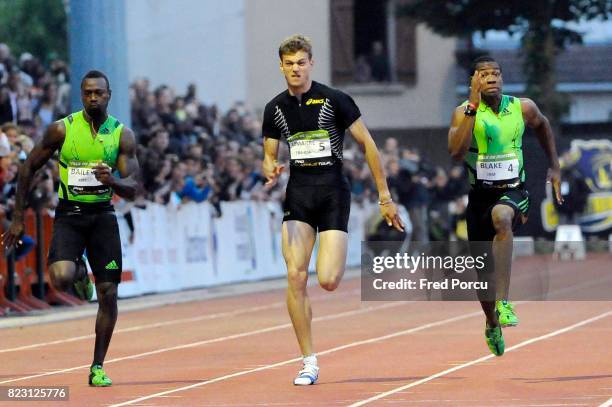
x: 222, y: 315
x: 137, y: 328
x: 147, y: 326
x: 607, y: 403
x: 286, y: 362
x: 213, y: 340
x: 482, y: 359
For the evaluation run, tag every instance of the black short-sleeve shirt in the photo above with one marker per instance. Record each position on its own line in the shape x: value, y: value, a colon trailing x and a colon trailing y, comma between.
x: 314, y: 128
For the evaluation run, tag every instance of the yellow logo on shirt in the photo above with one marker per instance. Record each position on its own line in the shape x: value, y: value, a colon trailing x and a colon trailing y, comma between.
x: 312, y: 101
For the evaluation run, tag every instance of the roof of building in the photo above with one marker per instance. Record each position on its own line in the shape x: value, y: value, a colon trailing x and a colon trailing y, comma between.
x: 577, y: 64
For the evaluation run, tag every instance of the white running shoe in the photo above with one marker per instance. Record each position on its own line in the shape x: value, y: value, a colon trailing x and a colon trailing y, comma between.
x: 307, y: 376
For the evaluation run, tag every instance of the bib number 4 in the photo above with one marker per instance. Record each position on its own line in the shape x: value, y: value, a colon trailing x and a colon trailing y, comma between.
x: 496, y: 168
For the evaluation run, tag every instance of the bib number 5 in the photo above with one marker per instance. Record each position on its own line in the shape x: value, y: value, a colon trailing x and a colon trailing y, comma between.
x: 309, y: 145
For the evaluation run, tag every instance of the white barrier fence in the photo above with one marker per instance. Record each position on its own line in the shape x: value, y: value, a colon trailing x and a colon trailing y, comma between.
x: 188, y: 247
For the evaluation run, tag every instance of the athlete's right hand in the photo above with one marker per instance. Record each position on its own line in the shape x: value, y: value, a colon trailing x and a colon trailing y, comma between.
x: 390, y: 215
x: 273, y: 174
x: 475, y: 87
x: 12, y: 237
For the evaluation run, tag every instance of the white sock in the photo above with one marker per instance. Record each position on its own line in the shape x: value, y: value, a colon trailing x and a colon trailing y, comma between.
x: 310, y: 360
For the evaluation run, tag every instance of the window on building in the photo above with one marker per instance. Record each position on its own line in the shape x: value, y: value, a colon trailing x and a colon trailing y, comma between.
x: 371, y: 42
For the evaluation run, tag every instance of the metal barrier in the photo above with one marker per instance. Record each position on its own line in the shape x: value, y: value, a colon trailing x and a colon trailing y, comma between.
x: 25, y: 284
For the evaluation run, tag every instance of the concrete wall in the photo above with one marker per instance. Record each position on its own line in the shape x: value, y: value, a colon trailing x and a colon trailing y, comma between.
x: 229, y: 49
x: 183, y: 41
x: 428, y: 103
x: 268, y: 22
x: 590, y: 108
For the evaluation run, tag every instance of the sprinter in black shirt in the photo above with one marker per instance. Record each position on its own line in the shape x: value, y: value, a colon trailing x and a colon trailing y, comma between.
x: 313, y: 118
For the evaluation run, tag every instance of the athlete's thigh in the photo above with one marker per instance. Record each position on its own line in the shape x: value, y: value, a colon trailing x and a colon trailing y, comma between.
x: 104, y: 248
x: 331, y: 258
x: 333, y: 208
x: 517, y: 199
x: 478, y: 214
x: 479, y: 225
x: 298, y: 241
x: 69, y: 238
x: 298, y: 204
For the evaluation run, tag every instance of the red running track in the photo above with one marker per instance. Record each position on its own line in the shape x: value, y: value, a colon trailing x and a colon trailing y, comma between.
x: 241, y: 351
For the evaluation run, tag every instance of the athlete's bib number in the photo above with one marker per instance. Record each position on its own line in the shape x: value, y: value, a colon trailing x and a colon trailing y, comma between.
x: 82, y: 177
x: 497, y: 167
x: 309, y: 145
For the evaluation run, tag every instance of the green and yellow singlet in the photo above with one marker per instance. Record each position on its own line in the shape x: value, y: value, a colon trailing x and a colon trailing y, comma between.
x: 495, y: 157
x: 81, y: 152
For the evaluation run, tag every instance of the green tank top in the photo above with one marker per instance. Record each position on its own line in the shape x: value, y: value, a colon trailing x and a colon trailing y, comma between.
x: 81, y: 152
x: 495, y: 157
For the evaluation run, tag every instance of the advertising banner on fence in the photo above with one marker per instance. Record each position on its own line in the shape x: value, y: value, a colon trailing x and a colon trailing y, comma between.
x: 196, y: 242
x: 587, y: 185
x: 189, y: 246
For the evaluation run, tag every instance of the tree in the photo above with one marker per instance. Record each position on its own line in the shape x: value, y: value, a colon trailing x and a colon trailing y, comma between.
x: 35, y: 26
x: 541, y: 24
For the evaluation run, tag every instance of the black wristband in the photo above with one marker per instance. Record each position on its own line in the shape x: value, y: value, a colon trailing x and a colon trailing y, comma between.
x: 469, y: 111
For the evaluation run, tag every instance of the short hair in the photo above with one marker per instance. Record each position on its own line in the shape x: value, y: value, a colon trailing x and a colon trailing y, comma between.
x: 295, y: 43
x: 481, y: 60
x: 94, y: 74
x: 9, y: 126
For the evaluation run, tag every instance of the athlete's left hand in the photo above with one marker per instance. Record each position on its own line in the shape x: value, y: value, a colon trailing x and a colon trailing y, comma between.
x: 273, y: 174
x: 389, y: 213
x: 104, y: 174
x: 554, y: 176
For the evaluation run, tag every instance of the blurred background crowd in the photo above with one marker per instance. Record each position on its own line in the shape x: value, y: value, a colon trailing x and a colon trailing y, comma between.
x: 193, y: 152
x: 190, y: 150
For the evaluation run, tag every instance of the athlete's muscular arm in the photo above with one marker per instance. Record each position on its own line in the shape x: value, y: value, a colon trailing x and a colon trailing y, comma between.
x: 41, y: 153
x: 127, y: 186
x: 388, y: 210
x: 460, y: 133
x: 271, y: 169
x: 534, y: 118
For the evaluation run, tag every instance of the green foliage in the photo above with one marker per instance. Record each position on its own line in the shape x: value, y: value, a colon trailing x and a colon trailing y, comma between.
x: 542, y: 26
x: 464, y: 17
x: 35, y: 26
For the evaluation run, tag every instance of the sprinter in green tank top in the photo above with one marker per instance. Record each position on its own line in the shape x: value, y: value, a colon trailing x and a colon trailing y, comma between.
x: 487, y: 133
x: 92, y: 144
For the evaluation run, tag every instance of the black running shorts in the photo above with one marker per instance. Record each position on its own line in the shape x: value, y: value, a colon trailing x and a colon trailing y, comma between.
x: 322, y: 207
x: 80, y: 227
x: 481, y: 203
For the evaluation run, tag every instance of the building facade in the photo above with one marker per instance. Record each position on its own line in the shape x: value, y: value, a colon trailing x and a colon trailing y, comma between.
x: 229, y: 49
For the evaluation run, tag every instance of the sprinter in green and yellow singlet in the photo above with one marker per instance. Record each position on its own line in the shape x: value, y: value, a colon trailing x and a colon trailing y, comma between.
x: 487, y: 133
x: 92, y: 144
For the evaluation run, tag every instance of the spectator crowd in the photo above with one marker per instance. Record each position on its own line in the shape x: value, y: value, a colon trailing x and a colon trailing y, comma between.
x: 191, y: 151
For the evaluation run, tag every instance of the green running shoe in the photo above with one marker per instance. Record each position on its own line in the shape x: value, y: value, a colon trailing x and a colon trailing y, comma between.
x: 98, y: 378
x: 505, y: 311
x: 495, y: 340
x: 83, y: 286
